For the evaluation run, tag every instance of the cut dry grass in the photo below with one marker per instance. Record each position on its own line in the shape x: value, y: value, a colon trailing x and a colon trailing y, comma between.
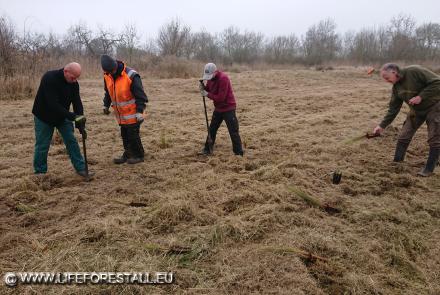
x: 212, y: 220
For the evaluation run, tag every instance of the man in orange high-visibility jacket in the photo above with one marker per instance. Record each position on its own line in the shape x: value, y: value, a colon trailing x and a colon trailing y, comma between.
x: 125, y: 93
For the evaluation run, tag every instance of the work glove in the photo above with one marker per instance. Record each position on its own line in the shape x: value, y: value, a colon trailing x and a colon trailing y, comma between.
x: 105, y: 110
x: 139, y: 117
x: 204, y: 92
x: 201, y: 87
x: 83, y: 133
x: 80, y: 122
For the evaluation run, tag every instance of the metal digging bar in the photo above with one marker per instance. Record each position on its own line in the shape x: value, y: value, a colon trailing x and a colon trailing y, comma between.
x: 207, y: 123
x: 84, y: 137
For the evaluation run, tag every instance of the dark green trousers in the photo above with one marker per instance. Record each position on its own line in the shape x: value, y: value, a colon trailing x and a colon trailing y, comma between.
x: 43, y: 137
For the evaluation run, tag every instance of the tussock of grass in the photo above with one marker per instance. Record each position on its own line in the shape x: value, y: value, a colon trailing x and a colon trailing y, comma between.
x: 308, y: 199
x: 166, y: 216
x: 313, y: 202
x: 164, y: 141
x: 407, y: 268
x: 23, y: 208
x: 354, y: 139
x: 93, y: 235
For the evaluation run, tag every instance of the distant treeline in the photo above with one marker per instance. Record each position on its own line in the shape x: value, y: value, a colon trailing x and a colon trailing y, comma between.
x: 28, y: 52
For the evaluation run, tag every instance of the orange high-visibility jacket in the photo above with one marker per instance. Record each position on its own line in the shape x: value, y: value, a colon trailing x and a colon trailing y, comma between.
x: 123, y: 101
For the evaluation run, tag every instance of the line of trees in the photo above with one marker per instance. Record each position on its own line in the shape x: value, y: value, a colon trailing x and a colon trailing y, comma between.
x: 401, y: 39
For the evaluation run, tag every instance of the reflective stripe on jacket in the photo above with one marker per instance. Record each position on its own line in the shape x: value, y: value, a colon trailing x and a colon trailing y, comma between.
x: 123, y: 101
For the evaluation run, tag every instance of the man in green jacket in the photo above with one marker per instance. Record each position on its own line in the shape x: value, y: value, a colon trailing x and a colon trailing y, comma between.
x: 420, y: 89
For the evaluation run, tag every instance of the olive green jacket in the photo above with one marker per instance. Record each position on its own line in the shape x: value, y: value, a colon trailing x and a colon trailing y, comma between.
x: 414, y: 81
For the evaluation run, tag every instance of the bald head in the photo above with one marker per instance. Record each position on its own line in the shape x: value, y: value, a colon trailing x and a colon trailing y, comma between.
x: 72, y: 71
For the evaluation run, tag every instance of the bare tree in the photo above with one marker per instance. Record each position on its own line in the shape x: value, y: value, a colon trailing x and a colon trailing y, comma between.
x: 241, y: 47
x: 82, y: 37
x: 365, y: 46
x: 205, y: 46
x: 150, y: 46
x: 348, y: 44
x: 172, y: 38
x: 229, y: 38
x: 402, y: 37
x: 383, y: 43
x: 7, y: 46
x: 428, y: 41
x: 129, y: 41
x: 34, y: 47
x: 321, y: 42
x: 54, y: 46
x: 282, y: 49
x: 106, y: 41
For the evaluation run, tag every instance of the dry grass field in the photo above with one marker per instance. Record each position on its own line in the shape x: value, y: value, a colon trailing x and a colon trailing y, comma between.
x: 244, y: 223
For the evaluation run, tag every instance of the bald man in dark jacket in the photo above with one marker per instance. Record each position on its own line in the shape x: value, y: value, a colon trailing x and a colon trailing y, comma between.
x: 58, y: 90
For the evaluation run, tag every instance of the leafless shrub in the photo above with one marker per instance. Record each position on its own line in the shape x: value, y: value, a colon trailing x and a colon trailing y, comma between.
x: 128, y: 42
x: 106, y: 41
x: 203, y: 46
x: 179, y: 53
x: 172, y: 38
x: 241, y: 47
x: 402, y: 37
x: 282, y: 49
x: 8, y: 46
x: 321, y: 42
x: 428, y: 40
x: 81, y: 37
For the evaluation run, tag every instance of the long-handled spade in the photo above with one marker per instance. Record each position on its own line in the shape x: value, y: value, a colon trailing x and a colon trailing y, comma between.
x: 83, y: 132
x: 207, y: 123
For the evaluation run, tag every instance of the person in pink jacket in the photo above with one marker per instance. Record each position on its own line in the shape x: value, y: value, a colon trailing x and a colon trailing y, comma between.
x: 219, y: 89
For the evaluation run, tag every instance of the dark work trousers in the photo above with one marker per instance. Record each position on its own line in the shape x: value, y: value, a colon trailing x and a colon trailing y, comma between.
x: 232, y: 124
x: 132, y: 142
x: 43, y: 136
x: 413, y: 123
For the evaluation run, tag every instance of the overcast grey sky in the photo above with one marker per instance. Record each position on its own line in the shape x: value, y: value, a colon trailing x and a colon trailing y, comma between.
x: 270, y: 17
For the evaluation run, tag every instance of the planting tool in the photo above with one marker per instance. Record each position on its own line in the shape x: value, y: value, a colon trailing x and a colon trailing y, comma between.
x: 207, y: 123
x: 83, y: 132
x: 336, y: 177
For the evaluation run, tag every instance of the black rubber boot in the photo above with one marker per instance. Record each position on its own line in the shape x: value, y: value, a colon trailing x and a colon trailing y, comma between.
x: 134, y: 160
x: 121, y: 160
x: 399, y: 155
x: 430, y: 163
x: 83, y: 173
x: 239, y: 153
x: 204, y: 152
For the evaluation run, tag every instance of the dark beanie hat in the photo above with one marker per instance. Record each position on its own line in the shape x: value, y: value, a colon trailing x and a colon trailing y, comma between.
x: 108, y: 64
